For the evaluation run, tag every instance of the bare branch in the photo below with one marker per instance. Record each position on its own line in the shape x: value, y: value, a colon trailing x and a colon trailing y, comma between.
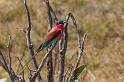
x: 50, y: 24
x: 4, y: 62
x: 23, y: 77
x: 67, y: 73
x: 50, y: 75
x: 28, y: 38
x: 62, y: 49
x: 55, y: 17
x: 77, y: 31
x: 80, y: 52
x: 22, y: 57
x: 9, y: 51
x: 49, y: 11
x: 28, y: 15
x: 80, y: 45
x: 42, y: 63
x: 10, y: 72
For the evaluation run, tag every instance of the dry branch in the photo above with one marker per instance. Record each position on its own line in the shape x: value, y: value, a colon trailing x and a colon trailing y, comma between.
x: 28, y: 38
x: 80, y: 45
x: 62, y: 49
x: 41, y: 64
x: 23, y: 73
x: 9, y: 51
x: 3, y: 63
x: 80, y: 52
x: 50, y: 24
x: 21, y: 59
x: 7, y: 67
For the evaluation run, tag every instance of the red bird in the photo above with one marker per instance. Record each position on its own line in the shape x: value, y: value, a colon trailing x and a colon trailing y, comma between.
x: 53, y: 35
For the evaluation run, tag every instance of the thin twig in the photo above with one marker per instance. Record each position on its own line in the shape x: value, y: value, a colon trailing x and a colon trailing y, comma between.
x: 77, y: 31
x: 22, y: 57
x: 80, y: 52
x: 27, y: 63
x: 11, y: 73
x: 67, y: 73
x: 23, y: 74
x: 9, y: 51
x: 50, y: 11
x: 50, y: 22
x: 42, y: 63
x: 80, y: 45
x: 55, y: 17
x: 4, y: 62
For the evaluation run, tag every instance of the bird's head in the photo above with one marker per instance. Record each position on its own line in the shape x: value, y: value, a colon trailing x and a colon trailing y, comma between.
x: 59, y: 23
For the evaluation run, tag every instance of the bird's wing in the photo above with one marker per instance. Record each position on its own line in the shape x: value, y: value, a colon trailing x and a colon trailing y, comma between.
x: 52, y: 35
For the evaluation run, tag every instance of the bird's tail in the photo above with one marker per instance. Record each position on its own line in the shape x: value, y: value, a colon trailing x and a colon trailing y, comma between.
x: 40, y: 48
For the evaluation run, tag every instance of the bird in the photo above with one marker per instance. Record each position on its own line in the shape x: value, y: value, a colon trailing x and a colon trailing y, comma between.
x: 53, y: 36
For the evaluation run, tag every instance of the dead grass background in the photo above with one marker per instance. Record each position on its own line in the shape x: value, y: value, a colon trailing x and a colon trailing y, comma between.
x: 103, y: 20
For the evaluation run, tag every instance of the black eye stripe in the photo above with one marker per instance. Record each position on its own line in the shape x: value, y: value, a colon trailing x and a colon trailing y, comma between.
x: 61, y: 22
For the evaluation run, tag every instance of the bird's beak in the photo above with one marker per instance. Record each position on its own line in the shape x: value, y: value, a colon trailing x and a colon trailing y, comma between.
x: 64, y: 21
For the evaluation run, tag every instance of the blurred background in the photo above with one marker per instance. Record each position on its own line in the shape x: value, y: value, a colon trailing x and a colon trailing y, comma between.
x: 102, y: 20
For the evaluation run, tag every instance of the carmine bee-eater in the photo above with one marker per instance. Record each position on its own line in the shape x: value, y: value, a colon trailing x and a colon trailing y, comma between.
x: 53, y: 35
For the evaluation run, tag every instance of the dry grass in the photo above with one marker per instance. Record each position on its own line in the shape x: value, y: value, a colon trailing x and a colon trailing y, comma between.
x: 101, y: 19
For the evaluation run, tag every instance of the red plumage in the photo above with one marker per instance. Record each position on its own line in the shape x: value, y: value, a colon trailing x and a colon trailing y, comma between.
x: 54, y: 34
